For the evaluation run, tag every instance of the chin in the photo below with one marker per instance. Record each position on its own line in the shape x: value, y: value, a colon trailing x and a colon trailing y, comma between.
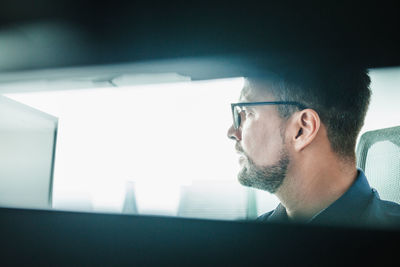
x: 243, y: 177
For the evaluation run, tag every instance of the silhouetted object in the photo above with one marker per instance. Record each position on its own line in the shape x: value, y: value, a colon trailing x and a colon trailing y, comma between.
x: 217, y: 200
x: 130, y: 200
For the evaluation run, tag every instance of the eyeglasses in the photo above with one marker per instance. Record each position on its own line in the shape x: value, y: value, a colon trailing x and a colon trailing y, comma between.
x: 236, y: 108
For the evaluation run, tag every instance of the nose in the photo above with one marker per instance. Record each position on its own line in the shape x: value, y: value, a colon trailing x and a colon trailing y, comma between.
x: 234, y: 134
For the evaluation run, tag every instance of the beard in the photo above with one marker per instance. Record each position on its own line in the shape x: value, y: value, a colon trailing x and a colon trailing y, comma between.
x: 267, y: 178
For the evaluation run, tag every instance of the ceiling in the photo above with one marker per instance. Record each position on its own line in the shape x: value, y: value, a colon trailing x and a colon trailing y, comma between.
x: 53, y: 34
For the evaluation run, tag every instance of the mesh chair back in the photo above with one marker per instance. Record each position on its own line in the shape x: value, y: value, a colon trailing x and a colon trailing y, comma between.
x: 378, y: 155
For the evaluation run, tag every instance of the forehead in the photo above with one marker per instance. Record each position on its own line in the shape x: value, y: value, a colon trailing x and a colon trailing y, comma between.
x: 253, y: 92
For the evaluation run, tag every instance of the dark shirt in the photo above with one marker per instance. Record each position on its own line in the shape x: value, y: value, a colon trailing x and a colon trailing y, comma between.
x: 359, y: 206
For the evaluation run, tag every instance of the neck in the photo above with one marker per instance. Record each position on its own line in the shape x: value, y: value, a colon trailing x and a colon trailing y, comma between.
x: 314, y: 183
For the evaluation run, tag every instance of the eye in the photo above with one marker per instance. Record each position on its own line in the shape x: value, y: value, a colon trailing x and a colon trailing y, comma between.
x: 242, y: 114
x: 248, y: 112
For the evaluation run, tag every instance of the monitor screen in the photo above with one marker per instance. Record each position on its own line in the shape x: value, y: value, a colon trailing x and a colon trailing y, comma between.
x: 27, y: 149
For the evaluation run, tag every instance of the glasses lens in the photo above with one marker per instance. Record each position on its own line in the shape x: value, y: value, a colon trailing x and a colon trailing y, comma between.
x: 236, y: 116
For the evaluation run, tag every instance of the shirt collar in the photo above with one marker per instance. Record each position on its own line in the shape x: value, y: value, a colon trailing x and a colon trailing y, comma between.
x: 346, y: 209
x: 350, y: 206
x: 279, y: 214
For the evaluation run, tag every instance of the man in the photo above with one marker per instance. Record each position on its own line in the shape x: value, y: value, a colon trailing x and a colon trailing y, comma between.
x: 296, y: 134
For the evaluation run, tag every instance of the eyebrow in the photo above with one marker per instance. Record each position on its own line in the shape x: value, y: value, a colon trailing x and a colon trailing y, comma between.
x: 248, y: 107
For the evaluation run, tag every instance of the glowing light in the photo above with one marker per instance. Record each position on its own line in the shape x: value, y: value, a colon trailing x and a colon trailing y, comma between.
x: 158, y: 136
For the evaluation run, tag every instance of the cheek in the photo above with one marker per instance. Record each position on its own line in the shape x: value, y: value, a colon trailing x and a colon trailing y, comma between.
x: 262, y: 146
x: 254, y: 143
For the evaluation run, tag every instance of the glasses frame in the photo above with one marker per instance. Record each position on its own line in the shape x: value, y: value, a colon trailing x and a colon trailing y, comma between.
x: 237, y: 122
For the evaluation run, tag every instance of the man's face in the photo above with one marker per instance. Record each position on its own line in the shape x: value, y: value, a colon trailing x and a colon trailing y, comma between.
x: 260, y: 143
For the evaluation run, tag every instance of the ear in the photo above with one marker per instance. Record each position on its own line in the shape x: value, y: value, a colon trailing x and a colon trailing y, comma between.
x: 306, y: 126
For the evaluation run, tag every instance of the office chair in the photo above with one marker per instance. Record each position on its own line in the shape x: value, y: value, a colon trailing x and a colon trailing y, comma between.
x: 378, y: 155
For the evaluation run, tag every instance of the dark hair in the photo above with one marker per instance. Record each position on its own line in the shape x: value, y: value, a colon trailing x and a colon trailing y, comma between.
x: 340, y: 96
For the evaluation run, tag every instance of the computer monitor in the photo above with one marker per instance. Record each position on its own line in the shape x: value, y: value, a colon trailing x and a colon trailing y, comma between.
x: 27, y: 152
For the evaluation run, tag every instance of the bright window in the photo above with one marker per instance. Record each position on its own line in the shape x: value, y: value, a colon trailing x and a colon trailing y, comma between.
x: 166, y: 140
